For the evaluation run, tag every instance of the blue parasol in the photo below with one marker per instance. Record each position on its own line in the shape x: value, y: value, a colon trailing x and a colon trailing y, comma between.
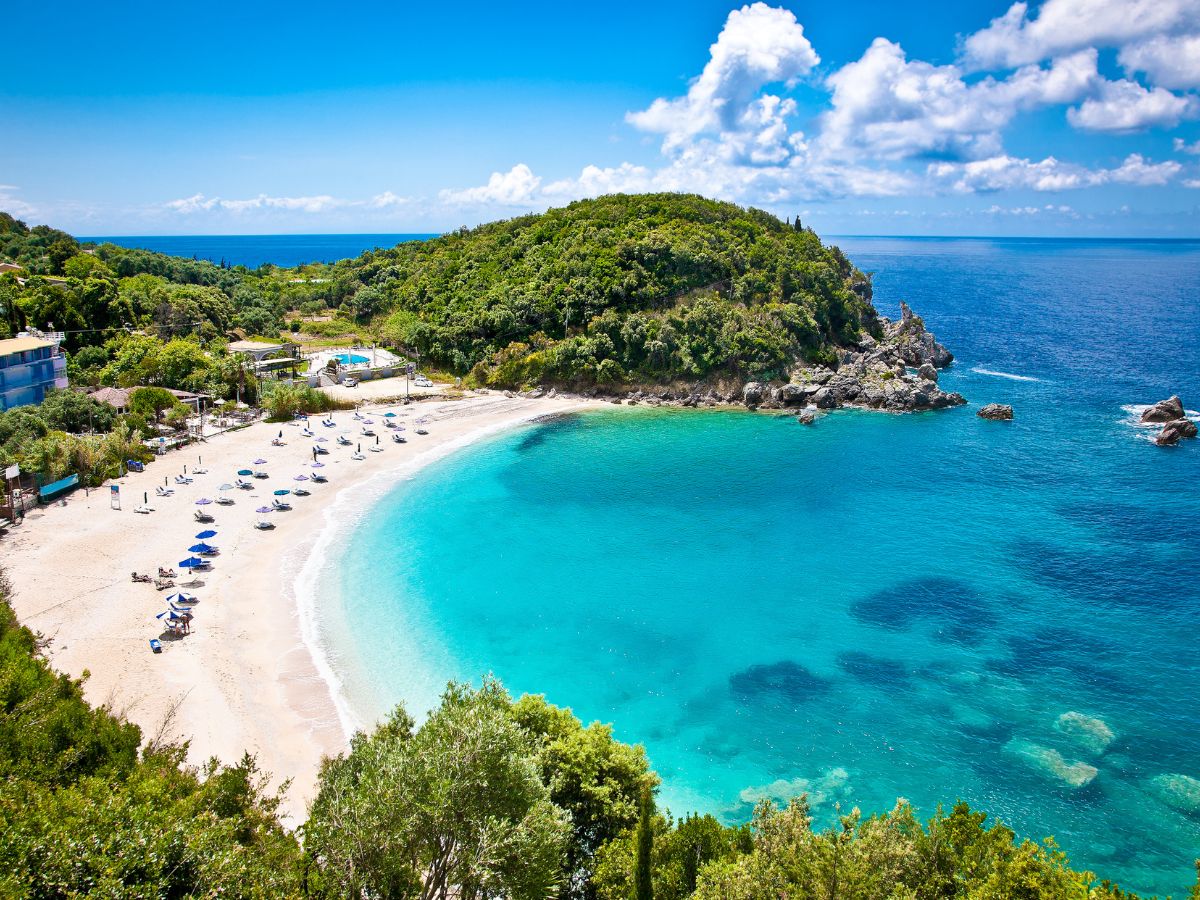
x: 245, y: 471
x: 203, y: 501
x: 192, y: 562
x: 206, y: 534
x: 201, y: 548
x: 282, y: 492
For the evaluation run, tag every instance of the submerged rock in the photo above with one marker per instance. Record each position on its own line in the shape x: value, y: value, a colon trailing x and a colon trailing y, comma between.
x: 1175, y: 431
x: 807, y: 417
x: 1051, y: 762
x: 996, y: 411
x: 1181, y: 792
x: 1088, y: 731
x: 1164, y: 410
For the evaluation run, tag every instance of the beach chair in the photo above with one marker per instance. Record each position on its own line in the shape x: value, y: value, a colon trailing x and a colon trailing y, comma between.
x: 344, y: 441
x: 307, y: 432
x: 161, y: 491
x: 368, y: 431
x: 319, y: 479
x: 245, y: 485
x: 357, y: 455
x: 163, y: 583
x: 143, y: 509
x: 225, y: 501
x: 281, y: 506
x: 261, y: 475
x: 301, y: 492
x: 264, y: 525
x: 182, y: 479
x: 203, y: 517
x: 276, y: 442
x: 399, y: 439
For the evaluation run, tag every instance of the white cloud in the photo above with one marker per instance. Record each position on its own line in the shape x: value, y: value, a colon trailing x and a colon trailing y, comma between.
x: 516, y: 187
x: 386, y: 199
x: 1170, y: 62
x: 759, y: 45
x: 1182, y: 146
x: 199, y: 203
x: 594, y: 181
x: 1192, y: 183
x: 13, y: 205
x: 1126, y: 106
x: 1002, y: 173
x: 1136, y: 170
x: 1064, y: 26
x: 886, y: 105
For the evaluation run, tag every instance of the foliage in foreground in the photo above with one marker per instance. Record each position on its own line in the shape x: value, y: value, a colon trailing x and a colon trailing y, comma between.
x: 488, y: 798
x: 83, y: 811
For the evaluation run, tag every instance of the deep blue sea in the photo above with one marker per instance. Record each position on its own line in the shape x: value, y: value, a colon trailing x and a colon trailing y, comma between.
x: 252, y: 250
x: 926, y: 606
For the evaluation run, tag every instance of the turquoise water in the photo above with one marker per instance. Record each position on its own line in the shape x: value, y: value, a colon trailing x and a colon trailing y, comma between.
x: 351, y: 359
x: 877, y: 606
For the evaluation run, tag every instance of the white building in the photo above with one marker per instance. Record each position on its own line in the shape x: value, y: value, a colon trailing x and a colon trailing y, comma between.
x: 31, y: 364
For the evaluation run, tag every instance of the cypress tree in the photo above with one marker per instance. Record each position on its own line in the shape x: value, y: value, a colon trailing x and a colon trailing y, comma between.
x: 643, y: 885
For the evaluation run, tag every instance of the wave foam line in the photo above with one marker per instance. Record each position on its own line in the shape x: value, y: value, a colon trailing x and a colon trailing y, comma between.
x: 1008, y: 375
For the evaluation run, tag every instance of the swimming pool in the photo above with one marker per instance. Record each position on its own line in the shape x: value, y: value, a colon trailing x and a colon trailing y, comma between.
x: 351, y: 359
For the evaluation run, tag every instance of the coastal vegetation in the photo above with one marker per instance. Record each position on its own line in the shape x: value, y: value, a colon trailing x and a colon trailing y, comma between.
x: 645, y: 289
x: 490, y: 797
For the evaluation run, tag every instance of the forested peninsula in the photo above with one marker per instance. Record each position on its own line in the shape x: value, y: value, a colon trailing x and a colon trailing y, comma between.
x: 669, y: 296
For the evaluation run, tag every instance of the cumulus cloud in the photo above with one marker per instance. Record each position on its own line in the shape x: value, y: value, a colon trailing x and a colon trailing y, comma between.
x: 759, y: 45
x: 1168, y: 61
x: 200, y: 203
x: 1064, y: 26
x: 887, y: 105
x: 1182, y: 146
x: 1125, y: 106
x: 387, y: 199
x: 516, y: 187
x: 1001, y: 173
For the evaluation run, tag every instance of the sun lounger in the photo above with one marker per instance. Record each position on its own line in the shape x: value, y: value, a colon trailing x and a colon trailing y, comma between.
x: 264, y: 525
x: 282, y: 507
x: 375, y: 448
x: 163, y: 583
x: 202, y: 517
x: 182, y: 479
x: 245, y: 485
x: 143, y: 509
x: 357, y: 455
x: 261, y: 475
x: 163, y: 492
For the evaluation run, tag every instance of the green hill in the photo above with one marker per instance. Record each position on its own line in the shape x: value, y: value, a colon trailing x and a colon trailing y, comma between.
x: 644, y: 289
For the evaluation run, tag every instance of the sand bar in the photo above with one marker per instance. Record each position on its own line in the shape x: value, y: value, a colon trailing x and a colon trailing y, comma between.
x: 245, y: 678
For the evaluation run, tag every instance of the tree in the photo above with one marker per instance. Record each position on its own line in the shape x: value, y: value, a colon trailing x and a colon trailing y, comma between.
x: 597, y: 780
x: 151, y: 402
x: 454, y: 809
x: 75, y: 412
x: 643, y: 884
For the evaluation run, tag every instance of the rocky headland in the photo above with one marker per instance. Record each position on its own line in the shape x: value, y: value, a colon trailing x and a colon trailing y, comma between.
x: 896, y: 372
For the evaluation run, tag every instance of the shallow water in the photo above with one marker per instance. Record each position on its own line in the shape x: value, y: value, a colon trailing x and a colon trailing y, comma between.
x: 877, y: 606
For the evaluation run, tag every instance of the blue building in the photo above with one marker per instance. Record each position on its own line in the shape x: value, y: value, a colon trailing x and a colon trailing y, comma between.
x: 30, y: 365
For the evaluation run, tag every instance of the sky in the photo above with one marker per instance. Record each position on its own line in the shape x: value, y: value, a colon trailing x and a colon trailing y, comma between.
x: 1059, y: 118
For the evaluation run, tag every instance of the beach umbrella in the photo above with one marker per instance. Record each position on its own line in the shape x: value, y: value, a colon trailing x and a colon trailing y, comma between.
x: 191, y: 562
x: 322, y: 440
x: 263, y: 509
x: 318, y: 465
x: 203, y: 501
x: 300, y: 478
x: 282, y: 492
x: 182, y: 597
x: 225, y: 487
x: 260, y: 462
x: 206, y: 534
x: 389, y: 415
x: 368, y: 421
x: 245, y: 471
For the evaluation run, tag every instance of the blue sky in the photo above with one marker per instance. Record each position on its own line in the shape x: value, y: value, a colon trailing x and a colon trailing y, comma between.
x: 1066, y: 117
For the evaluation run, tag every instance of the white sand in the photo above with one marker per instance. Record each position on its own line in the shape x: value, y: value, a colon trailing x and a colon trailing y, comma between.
x: 244, y: 679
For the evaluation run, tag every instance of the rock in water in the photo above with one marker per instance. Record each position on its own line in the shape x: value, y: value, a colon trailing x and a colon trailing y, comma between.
x: 1088, y: 731
x: 995, y: 411
x: 807, y: 417
x: 1051, y: 762
x: 1174, y: 431
x: 928, y: 372
x: 1164, y: 410
x: 1182, y: 792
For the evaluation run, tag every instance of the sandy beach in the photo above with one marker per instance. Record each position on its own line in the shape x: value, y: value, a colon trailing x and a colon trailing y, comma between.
x: 245, y: 678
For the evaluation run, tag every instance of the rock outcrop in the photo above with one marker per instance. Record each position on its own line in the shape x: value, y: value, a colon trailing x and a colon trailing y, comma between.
x: 1164, y: 411
x: 1173, y: 432
x: 997, y: 411
x: 876, y: 373
x: 1176, y: 425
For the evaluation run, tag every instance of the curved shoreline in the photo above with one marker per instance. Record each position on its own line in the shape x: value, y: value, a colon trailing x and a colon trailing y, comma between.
x: 247, y: 678
x: 363, y: 497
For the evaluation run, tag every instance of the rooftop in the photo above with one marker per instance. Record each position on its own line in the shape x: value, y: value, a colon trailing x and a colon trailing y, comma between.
x: 22, y: 344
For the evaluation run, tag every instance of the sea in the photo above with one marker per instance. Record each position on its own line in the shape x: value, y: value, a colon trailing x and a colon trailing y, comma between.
x: 254, y: 250
x: 930, y: 606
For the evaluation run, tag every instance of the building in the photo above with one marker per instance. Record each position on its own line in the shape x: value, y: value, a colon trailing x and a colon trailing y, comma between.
x: 31, y: 364
x: 118, y: 398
